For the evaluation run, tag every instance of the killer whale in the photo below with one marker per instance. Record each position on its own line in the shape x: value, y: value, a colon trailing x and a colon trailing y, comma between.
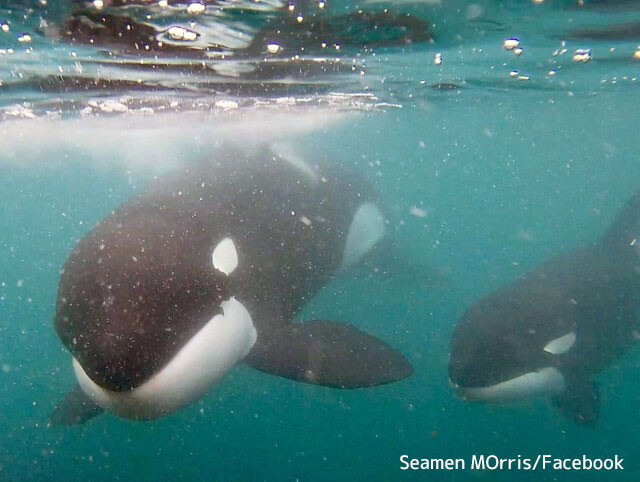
x: 206, y: 269
x: 551, y: 330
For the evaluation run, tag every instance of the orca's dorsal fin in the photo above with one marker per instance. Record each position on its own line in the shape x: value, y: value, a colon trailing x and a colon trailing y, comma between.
x: 580, y: 402
x: 624, y: 232
x: 74, y: 409
x: 328, y: 353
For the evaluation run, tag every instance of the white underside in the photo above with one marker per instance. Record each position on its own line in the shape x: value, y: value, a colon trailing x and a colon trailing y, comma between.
x: 546, y: 381
x: 206, y: 358
x: 365, y: 231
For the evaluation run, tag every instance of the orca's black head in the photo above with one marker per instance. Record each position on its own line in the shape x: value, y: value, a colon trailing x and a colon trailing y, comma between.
x: 139, y: 298
x: 507, y: 349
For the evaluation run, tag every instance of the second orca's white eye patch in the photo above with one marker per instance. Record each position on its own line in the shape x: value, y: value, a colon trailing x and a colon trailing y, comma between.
x: 559, y: 345
x: 225, y: 256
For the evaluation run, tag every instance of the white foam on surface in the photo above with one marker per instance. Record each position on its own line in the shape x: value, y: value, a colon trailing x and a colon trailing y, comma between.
x: 150, y: 144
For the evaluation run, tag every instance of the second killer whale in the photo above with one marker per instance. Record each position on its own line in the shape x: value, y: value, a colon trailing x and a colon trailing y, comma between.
x: 552, y: 330
x: 206, y: 269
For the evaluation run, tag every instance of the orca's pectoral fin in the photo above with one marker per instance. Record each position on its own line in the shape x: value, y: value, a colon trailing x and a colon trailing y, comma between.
x: 74, y: 409
x: 580, y: 402
x: 329, y: 353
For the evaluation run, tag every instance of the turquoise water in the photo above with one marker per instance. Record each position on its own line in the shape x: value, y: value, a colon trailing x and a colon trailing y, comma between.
x: 482, y: 183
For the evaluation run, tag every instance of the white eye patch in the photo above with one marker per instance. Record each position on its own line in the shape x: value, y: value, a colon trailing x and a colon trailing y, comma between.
x: 225, y: 256
x: 560, y: 345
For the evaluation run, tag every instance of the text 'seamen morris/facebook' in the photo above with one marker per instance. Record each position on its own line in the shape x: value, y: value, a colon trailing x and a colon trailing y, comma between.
x: 493, y: 462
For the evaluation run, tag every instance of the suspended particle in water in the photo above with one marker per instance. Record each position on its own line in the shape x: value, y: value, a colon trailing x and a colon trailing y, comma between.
x: 299, y: 18
x: 5, y: 27
x: 273, y: 48
x: 474, y: 11
x: 99, y: 4
x: 196, y: 8
x: 321, y: 5
x: 552, y: 72
x: 636, y: 54
x: 438, y: 59
x: 511, y: 43
x: 582, y: 55
x: 513, y: 73
x: 418, y: 212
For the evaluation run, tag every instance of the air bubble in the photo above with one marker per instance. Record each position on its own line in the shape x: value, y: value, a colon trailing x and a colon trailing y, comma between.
x: 582, y: 55
x: 511, y: 43
x: 181, y: 33
x: 196, y: 8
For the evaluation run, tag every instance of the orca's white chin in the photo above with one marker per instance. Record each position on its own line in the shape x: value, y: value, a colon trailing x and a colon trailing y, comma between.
x: 199, y: 365
x: 546, y: 381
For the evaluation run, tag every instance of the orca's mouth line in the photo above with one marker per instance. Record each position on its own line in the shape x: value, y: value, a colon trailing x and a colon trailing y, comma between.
x: 205, y: 360
x: 543, y: 382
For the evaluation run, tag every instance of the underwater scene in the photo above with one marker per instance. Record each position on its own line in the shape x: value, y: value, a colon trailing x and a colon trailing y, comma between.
x: 268, y: 240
